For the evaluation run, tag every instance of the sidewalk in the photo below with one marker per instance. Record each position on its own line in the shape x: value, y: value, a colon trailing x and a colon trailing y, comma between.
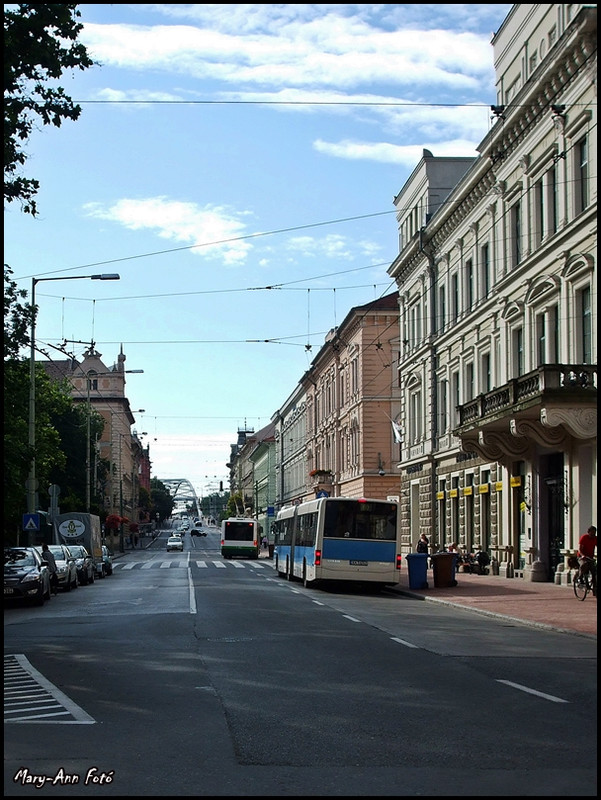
x: 543, y: 605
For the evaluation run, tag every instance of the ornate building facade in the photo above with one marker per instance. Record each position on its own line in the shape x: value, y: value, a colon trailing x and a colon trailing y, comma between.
x: 498, y: 293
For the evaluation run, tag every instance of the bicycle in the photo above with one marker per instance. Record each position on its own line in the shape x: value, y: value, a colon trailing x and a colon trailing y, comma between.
x: 583, y: 581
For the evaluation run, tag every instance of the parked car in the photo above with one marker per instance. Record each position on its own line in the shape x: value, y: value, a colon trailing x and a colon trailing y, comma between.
x: 175, y: 543
x: 26, y: 576
x: 86, y: 569
x: 105, y: 566
x: 66, y: 568
x: 198, y: 532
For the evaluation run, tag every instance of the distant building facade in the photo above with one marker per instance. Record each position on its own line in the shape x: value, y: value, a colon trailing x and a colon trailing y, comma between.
x: 470, y: 394
x: 128, y: 459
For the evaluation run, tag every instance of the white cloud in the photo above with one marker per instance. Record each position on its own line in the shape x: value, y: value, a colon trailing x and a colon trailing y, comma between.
x: 211, y: 230
x: 388, y: 153
x: 319, y: 47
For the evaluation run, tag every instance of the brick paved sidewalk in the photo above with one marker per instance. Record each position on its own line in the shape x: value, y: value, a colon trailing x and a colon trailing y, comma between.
x: 538, y: 604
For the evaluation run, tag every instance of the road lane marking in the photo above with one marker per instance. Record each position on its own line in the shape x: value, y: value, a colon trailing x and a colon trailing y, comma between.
x: 402, y: 641
x: 526, y: 689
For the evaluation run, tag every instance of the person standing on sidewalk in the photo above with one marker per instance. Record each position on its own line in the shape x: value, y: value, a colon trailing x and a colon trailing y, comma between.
x: 586, y: 554
x: 422, y: 545
x: 48, y: 557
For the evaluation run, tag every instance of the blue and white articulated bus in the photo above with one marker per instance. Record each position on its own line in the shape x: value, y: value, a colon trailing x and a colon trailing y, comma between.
x: 240, y: 536
x: 339, y: 538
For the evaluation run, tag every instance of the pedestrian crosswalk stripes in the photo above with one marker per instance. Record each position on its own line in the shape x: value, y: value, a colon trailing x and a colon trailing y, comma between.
x: 182, y: 562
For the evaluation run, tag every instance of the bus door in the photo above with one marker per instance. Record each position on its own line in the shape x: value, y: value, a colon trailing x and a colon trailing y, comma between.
x: 293, y: 536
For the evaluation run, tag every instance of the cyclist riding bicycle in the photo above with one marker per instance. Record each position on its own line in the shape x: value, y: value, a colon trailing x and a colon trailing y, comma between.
x: 586, y: 555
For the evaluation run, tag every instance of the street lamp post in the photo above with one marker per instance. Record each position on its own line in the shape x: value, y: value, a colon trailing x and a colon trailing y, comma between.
x: 32, y: 480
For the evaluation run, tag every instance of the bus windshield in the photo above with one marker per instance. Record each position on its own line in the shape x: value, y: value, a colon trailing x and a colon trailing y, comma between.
x: 360, y: 520
x: 235, y: 531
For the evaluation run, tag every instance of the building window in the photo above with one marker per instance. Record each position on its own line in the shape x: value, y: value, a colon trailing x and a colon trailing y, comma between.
x: 541, y: 340
x: 469, y: 284
x: 554, y: 334
x: 415, y: 417
x: 454, y: 297
x: 442, y: 308
x: 354, y: 376
x: 539, y: 213
x: 515, y: 234
x: 552, y: 200
x: 586, y: 326
x: 469, y: 381
x: 518, y: 351
x: 455, y: 515
x: 485, y: 374
x: 581, y: 177
x: 443, y: 389
x: 415, y: 323
x: 456, y: 399
x: 484, y: 271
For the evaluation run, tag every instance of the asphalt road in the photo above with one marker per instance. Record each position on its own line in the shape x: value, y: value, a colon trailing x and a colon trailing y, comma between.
x: 183, y: 674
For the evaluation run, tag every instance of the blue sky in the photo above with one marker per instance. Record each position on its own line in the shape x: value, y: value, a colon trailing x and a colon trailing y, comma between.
x: 222, y: 150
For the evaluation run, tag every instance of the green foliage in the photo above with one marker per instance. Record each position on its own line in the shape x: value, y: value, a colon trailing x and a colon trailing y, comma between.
x: 215, y: 505
x: 162, y: 501
x: 17, y: 317
x: 60, y: 431
x: 235, y: 505
x: 70, y: 420
x: 17, y: 453
x: 40, y: 43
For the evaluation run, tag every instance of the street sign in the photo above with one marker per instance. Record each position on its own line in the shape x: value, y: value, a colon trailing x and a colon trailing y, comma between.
x: 31, y: 522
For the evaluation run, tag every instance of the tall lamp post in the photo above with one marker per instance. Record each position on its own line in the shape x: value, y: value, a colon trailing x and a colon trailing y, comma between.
x: 32, y: 480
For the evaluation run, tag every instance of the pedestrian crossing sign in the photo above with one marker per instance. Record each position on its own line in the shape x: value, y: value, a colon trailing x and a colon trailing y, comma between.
x: 31, y: 522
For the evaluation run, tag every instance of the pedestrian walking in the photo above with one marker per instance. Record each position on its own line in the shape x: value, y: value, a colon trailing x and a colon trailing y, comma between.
x: 423, y: 544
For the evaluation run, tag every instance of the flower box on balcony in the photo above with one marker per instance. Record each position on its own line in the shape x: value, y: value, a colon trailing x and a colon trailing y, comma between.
x: 321, y: 473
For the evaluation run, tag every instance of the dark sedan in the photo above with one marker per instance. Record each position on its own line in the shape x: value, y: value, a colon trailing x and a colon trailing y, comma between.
x: 86, y: 569
x: 26, y: 577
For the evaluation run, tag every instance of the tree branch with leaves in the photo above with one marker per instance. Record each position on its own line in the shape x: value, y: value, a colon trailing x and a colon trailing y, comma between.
x: 40, y: 43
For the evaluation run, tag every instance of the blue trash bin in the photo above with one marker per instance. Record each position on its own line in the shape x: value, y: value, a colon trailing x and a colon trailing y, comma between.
x: 417, y: 566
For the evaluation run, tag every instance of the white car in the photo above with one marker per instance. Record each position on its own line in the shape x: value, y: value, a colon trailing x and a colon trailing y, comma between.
x: 66, y: 568
x: 175, y: 543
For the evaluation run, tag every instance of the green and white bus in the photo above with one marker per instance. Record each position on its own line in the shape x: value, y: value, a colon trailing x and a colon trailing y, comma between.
x: 240, y: 536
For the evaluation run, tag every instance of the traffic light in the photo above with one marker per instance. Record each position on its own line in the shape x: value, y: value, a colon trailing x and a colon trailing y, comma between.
x: 220, y: 486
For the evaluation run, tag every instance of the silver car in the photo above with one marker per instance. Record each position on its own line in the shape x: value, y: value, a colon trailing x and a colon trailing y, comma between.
x: 175, y: 543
